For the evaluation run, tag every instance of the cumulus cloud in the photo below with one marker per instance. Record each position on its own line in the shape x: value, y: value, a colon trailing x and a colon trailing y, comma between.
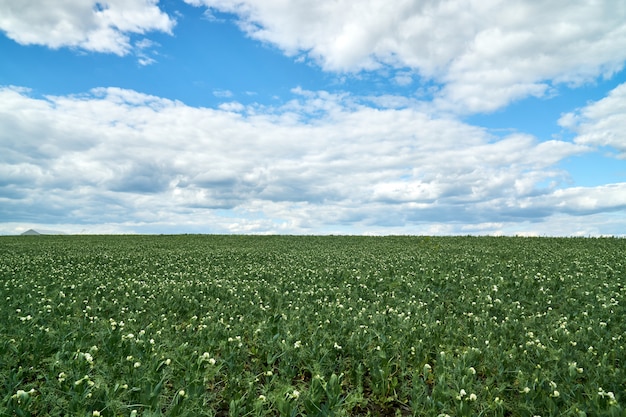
x: 485, y: 54
x: 601, y: 123
x: 321, y: 163
x: 99, y: 26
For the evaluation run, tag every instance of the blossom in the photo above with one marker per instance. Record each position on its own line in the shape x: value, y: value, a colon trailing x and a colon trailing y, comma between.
x: 298, y: 344
x: 602, y: 393
x: 20, y: 395
x: 462, y: 394
x: 472, y: 397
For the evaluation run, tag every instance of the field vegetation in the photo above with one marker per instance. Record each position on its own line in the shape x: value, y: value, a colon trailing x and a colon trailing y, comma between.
x: 312, y: 326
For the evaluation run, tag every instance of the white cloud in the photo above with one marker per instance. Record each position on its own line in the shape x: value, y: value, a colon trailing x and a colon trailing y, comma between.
x: 590, y: 199
x: 143, y: 49
x: 403, y: 78
x: 484, y: 53
x: 223, y: 93
x: 321, y: 163
x: 233, y: 106
x: 89, y: 25
x: 601, y: 123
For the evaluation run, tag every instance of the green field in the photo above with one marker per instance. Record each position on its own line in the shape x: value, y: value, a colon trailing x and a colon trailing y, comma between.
x: 280, y: 325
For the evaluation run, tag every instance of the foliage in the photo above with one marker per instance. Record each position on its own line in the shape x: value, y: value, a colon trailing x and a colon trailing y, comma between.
x: 316, y: 326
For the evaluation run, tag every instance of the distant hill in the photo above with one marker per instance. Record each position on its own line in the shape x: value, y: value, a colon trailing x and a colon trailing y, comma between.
x: 33, y: 232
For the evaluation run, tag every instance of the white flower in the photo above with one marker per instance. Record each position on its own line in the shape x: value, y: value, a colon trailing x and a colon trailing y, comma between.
x: 555, y: 394
x: 294, y: 394
x: 95, y: 413
x: 336, y: 346
x: 181, y: 393
x: 472, y: 397
x: 262, y: 397
x: 472, y: 370
x: 137, y: 364
x: 462, y: 394
x: 20, y: 395
x: 298, y: 344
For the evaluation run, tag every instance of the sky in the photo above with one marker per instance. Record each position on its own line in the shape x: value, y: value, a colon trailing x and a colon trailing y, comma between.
x: 421, y: 117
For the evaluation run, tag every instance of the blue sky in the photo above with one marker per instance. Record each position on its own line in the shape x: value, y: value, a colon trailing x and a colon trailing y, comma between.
x: 313, y: 117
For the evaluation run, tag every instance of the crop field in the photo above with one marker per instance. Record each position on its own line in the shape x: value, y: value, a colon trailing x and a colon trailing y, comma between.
x: 312, y: 326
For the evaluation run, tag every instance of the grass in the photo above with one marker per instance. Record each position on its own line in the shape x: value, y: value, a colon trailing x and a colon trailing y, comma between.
x: 326, y: 326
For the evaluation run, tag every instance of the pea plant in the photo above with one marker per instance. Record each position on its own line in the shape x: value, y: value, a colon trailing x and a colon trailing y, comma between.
x: 312, y: 326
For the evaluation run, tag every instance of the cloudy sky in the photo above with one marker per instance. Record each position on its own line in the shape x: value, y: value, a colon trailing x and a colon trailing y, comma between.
x: 313, y: 116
